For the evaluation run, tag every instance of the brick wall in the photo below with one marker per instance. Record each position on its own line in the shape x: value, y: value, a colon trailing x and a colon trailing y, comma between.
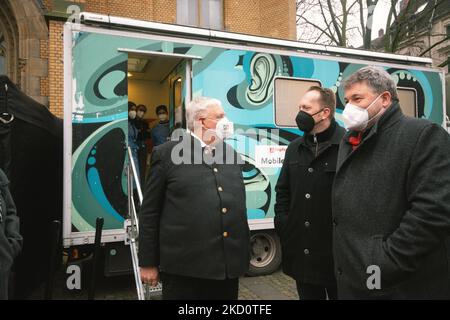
x: 44, y: 80
x: 152, y: 10
x: 271, y: 18
x: 56, y: 68
x: 278, y: 19
x: 242, y: 16
x: 142, y: 9
x: 165, y: 11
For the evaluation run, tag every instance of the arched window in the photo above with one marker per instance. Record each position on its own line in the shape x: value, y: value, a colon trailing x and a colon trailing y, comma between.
x: 2, y: 54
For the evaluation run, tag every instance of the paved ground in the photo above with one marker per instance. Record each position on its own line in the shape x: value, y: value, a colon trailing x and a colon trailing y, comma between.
x: 277, y: 286
x: 273, y: 287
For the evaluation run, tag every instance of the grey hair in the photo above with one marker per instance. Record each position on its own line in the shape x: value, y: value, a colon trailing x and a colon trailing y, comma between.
x: 376, y: 78
x: 197, y: 107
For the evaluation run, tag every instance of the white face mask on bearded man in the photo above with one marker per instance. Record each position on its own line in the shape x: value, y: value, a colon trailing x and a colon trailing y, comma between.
x: 357, y: 118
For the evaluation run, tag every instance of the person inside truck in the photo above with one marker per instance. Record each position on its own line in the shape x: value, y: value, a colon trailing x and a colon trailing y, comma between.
x: 133, y: 135
x: 160, y: 133
x: 10, y: 238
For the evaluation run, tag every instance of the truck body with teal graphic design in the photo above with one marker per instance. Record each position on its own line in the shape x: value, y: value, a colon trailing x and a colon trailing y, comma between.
x: 258, y: 80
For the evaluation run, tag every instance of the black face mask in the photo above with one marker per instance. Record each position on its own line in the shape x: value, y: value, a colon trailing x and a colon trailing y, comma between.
x: 305, y: 121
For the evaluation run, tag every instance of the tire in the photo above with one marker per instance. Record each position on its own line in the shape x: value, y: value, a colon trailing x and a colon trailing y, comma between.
x: 265, y: 253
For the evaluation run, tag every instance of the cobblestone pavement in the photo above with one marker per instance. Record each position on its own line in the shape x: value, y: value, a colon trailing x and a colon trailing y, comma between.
x: 276, y: 286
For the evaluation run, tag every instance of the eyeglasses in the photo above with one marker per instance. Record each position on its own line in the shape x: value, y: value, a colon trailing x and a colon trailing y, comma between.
x: 216, y: 119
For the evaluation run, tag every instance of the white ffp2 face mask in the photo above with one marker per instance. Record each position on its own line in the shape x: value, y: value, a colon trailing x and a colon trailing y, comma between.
x: 356, y: 118
x: 224, y: 128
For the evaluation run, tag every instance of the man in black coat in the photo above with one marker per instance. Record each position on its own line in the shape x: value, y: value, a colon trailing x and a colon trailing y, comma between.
x: 391, y: 197
x: 303, y: 200
x: 10, y: 238
x: 193, y: 220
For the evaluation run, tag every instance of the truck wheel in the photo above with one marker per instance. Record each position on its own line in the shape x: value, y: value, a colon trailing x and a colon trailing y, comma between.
x: 265, y: 253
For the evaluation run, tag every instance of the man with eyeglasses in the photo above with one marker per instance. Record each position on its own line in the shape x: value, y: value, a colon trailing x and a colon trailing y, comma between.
x: 194, y: 232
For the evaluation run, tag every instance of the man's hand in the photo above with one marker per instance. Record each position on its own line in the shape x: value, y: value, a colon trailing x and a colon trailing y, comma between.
x: 150, y: 275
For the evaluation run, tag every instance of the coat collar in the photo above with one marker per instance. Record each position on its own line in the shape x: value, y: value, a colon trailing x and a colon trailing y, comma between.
x: 336, y: 136
x: 389, y: 118
x: 199, y: 150
x: 203, y: 144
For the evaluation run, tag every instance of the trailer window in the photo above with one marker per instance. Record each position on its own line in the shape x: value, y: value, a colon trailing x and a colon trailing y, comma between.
x: 408, y: 101
x: 288, y: 92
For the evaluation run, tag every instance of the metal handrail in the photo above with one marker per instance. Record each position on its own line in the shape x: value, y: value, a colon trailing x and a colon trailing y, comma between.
x: 133, y: 230
x: 137, y: 274
x: 143, y: 290
x: 134, y: 215
x: 447, y: 123
x: 135, y: 175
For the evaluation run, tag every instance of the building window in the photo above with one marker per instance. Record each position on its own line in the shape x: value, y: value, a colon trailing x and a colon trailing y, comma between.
x: 2, y: 54
x: 187, y: 12
x: 212, y: 14
x: 200, y: 13
x: 287, y: 94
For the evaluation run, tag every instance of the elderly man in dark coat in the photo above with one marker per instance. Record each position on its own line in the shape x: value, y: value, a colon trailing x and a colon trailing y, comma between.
x: 391, y: 197
x: 10, y: 238
x: 303, y: 201
x: 193, y: 220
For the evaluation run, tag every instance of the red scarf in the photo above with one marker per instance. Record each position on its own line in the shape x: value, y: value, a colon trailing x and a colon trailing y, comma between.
x: 355, y: 140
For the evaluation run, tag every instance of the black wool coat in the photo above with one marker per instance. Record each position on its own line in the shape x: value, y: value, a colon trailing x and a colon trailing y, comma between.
x: 193, y: 220
x: 303, y: 218
x: 391, y: 209
x: 10, y: 238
